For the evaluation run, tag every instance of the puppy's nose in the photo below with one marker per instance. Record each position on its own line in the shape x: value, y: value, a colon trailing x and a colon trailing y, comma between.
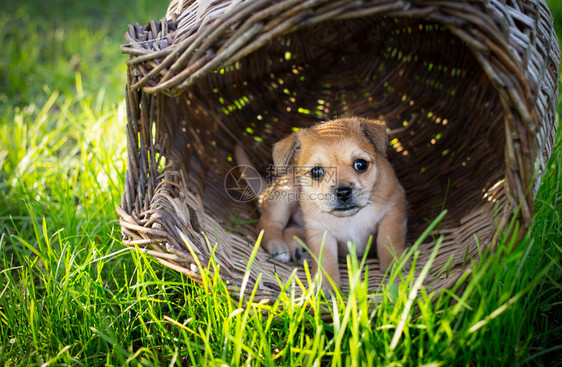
x: 343, y: 193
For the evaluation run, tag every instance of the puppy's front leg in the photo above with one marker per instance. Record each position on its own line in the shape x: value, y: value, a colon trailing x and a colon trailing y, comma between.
x: 277, y: 209
x: 329, y: 256
x: 391, y: 235
x: 273, y: 240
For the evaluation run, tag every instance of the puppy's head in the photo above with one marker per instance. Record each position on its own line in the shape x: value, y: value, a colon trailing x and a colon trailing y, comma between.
x: 335, y: 162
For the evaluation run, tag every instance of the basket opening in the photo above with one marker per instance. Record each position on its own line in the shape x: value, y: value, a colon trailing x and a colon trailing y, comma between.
x: 444, y: 116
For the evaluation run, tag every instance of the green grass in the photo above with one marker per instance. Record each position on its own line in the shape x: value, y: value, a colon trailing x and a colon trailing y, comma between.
x: 71, y: 294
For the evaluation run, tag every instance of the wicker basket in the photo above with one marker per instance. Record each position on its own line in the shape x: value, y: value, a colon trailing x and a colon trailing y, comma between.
x: 469, y: 90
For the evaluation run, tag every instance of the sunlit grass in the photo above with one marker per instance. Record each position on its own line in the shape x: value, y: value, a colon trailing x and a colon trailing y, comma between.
x: 70, y: 293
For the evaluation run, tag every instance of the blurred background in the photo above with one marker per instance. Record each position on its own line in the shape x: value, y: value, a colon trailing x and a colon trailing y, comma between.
x: 46, y: 42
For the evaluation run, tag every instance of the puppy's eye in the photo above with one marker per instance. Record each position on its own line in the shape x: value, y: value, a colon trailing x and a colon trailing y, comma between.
x: 317, y: 173
x: 360, y: 165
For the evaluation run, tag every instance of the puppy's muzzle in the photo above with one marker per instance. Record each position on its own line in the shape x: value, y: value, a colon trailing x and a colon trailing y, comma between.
x: 344, y: 203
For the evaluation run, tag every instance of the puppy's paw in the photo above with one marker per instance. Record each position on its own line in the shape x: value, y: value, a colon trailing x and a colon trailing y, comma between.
x: 279, y: 251
x: 300, y: 255
x: 291, y: 235
x: 283, y: 257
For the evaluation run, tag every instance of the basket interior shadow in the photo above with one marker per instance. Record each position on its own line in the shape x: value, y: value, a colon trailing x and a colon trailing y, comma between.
x: 470, y: 117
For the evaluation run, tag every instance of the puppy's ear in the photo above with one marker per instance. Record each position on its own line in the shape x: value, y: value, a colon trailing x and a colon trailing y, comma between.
x: 375, y: 131
x: 284, y: 150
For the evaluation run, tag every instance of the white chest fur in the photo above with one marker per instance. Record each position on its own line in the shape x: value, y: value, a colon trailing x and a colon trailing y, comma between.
x: 356, y: 228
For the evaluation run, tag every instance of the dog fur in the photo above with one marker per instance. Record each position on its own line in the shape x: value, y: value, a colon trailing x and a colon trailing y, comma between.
x: 333, y: 184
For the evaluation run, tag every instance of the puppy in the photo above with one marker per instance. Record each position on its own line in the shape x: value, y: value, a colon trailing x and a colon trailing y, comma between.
x: 333, y: 185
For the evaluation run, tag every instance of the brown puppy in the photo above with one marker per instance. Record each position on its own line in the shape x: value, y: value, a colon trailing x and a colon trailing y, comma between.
x: 333, y: 185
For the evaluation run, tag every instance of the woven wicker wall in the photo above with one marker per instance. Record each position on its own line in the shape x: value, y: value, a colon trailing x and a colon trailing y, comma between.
x: 469, y: 92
